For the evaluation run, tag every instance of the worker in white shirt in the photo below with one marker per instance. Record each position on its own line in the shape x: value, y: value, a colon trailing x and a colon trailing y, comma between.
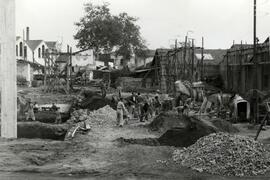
x: 121, y: 109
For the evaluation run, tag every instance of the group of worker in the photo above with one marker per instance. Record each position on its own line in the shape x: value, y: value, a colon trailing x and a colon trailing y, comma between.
x: 32, y: 108
x: 138, y: 107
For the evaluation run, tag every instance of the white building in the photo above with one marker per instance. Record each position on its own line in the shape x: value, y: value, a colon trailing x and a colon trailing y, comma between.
x: 30, y: 56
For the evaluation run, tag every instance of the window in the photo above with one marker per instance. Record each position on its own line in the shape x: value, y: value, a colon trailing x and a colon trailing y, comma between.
x: 43, y: 51
x: 21, y: 49
x: 265, y: 81
x: 16, y: 50
x: 39, y: 53
x: 25, y: 51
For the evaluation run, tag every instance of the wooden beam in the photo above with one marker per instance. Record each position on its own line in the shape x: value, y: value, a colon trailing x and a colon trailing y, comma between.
x: 8, y: 69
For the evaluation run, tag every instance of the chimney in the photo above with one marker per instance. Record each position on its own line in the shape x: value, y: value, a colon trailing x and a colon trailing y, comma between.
x: 27, y: 34
x: 67, y: 48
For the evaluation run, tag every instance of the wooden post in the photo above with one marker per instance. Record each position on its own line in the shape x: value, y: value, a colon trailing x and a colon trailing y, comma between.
x: 202, y: 69
x: 8, y: 69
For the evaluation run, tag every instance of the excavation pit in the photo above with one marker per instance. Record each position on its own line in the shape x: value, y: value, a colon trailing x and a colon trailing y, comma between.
x: 37, y: 130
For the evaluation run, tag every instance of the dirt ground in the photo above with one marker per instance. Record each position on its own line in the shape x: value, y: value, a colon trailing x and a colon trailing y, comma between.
x: 97, y: 155
x: 94, y: 156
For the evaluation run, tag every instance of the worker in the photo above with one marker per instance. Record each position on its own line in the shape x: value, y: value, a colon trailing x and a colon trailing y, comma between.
x: 58, y: 118
x: 54, y: 107
x: 103, y: 89
x: 145, y: 112
x: 157, y: 105
x: 140, y: 104
x: 84, y: 80
x: 56, y: 110
x: 121, y: 109
x: 30, y: 111
x: 35, y: 107
x: 133, y: 104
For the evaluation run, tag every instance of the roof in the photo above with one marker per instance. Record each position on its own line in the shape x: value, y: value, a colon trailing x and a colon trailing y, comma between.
x: 211, y: 56
x: 51, y: 44
x: 33, y: 44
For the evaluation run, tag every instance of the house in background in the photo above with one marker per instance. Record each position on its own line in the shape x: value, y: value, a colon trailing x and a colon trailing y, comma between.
x: 30, y: 56
x: 142, y: 61
x: 81, y: 61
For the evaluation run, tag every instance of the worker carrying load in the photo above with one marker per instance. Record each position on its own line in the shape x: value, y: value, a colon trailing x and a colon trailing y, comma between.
x: 121, y: 109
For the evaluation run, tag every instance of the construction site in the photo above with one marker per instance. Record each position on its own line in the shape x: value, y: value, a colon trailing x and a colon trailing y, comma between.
x: 185, y: 112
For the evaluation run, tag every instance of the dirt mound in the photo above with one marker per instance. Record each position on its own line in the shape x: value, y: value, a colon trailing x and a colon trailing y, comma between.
x: 224, y: 126
x: 41, y: 130
x: 184, y: 137
x: 105, y: 116
x: 166, y: 121
x: 225, y: 154
x: 96, y: 102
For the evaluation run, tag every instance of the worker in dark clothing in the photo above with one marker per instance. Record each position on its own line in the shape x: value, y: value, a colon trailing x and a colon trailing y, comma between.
x: 133, y: 103
x: 144, y: 112
x: 56, y: 110
x: 103, y: 89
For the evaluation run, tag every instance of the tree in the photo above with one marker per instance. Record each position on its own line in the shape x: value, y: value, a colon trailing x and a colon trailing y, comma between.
x: 104, y: 32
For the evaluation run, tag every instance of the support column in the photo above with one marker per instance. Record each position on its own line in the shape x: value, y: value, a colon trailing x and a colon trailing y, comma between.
x: 8, y: 69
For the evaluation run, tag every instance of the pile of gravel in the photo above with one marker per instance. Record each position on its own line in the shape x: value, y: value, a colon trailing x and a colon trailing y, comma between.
x: 225, y: 154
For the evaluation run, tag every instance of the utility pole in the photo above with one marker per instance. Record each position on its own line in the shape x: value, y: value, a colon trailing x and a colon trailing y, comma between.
x: 185, y: 54
x: 68, y: 68
x: 8, y: 69
x: 202, y: 57
x: 192, y: 60
x: 255, y: 82
x: 176, y: 59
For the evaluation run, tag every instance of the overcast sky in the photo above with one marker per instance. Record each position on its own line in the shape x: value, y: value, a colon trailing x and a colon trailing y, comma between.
x: 161, y: 21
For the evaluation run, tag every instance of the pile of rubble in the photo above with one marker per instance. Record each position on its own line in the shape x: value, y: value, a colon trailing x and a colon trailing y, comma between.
x: 225, y: 154
x: 101, y: 117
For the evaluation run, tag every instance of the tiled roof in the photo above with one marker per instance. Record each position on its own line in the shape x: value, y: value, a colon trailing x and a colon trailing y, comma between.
x: 33, y: 44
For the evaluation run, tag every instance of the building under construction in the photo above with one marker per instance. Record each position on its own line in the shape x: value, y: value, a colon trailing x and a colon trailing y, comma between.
x: 185, y: 63
x: 238, y: 68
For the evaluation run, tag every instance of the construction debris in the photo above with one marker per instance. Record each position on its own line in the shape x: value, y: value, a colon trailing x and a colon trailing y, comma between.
x: 225, y: 154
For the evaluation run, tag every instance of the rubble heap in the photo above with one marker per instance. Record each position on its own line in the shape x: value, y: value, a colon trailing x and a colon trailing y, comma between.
x: 101, y: 117
x: 225, y: 154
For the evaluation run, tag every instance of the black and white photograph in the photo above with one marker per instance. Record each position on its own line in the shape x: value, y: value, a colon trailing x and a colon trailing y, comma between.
x: 134, y: 89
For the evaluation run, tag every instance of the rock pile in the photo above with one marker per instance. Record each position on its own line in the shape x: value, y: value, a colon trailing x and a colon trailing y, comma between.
x: 225, y: 154
x: 101, y: 117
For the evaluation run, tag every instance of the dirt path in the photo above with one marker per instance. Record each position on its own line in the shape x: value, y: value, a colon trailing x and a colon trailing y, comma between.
x: 94, y: 156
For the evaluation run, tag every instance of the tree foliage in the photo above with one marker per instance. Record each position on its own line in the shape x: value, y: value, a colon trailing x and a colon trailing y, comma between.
x: 104, y: 32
